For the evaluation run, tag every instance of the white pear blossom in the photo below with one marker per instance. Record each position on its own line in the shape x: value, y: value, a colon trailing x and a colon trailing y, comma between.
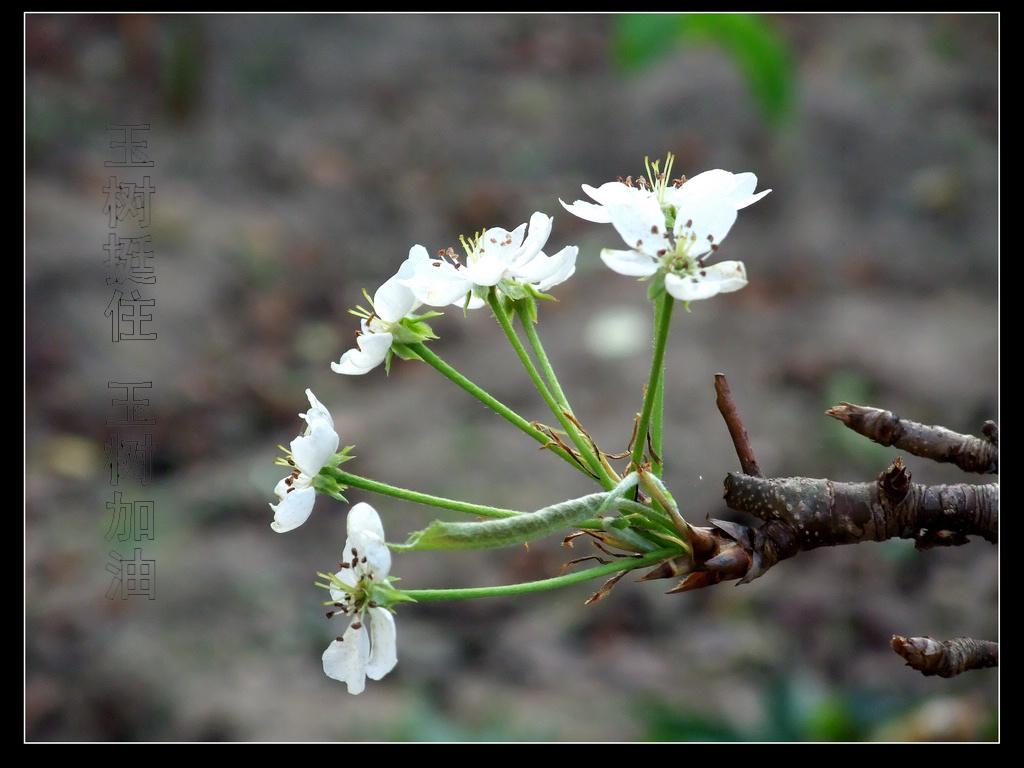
x: 671, y: 228
x: 678, y: 252
x: 513, y: 261
x: 368, y: 648
x: 378, y: 330
x: 310, y: 452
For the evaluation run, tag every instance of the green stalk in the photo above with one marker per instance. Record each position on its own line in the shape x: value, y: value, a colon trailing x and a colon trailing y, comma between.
x: 663, y: 319
x: 538, y: 350
x: 491, y: 402
x: 586, y: 451
x: 364, y: 483
x: 658, y: 413
x: 651, y: 558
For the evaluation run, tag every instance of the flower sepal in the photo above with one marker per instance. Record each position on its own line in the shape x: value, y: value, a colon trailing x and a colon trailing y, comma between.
x: 325, y: 480
x: 377, y: 595
x: 657, y: 287
x: 413, y: 330
x: 385, y: 595
x: 525, y: 302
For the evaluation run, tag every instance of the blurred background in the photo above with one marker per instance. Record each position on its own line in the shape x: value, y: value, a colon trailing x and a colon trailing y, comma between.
x: 296, y: 160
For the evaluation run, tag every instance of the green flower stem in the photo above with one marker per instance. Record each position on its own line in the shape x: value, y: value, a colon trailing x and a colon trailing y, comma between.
x: 549, y: 373
x: 663, y: 318
x: 586, y: 451
x: 495, y: 405
x: 658, y: 414
x: 538, y: 350
x: 355, y: 481
x: 651, y: 558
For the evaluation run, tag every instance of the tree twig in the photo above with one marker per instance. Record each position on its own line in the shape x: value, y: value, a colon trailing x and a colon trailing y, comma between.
x: 971, y: 454
x: 727, y: 407
x: 802, y: 513
x: 947, y: 658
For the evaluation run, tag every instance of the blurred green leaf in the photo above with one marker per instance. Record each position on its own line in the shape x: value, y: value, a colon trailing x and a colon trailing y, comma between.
x: 750, y: 40
x: 850, y: 385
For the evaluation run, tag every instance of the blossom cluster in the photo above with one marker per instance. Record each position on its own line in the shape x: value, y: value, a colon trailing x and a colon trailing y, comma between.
x: 513, y: 262
x: 360, y: 588
x: 671, y: 230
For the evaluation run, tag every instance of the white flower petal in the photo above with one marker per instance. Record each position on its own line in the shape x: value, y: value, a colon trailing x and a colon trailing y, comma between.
x: 641, y: 223
x: 536, y: 239
x: 488, y: 270
x: 417, y: 254
x: 284, y: 487
x: 543, y: 271
x: 438, y: 283
x: 294, y: 509
x: 393, y: 301
x: 737, y: 187
x: 725, y: 277
x: 498, y: 244
x: 363, y: 518
x: 705, y: 220
x: 346, y: 659
x: 366, y: 537
x: 316, y: 411
x: 617, y: 193
x: 312, y: 451
x: 631, y: 263
x: 587, y: 211
x: 372, y: 349
x: 383, y: 643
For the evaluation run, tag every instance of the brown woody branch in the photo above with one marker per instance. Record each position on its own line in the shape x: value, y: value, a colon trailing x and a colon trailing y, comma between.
x: 971, y: 454
x: 727, y: 407
x: 802, y: 514
x: 947, y: 658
